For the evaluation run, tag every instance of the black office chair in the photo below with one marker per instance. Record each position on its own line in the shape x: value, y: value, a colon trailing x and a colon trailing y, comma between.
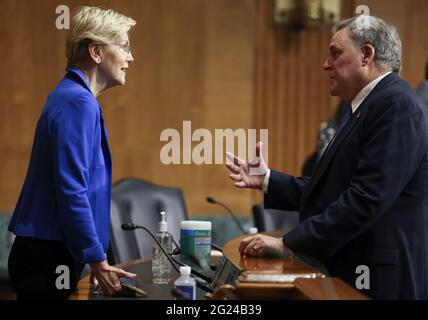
x: 6, y: 242
x: 270, y: 219
x: 140, y: 202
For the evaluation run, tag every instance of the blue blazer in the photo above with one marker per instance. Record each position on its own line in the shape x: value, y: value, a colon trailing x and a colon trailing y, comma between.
x: 367, y: 201
x: 67, y: 190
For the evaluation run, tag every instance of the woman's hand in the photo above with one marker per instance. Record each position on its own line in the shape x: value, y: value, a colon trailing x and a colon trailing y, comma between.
x: 108, y: 277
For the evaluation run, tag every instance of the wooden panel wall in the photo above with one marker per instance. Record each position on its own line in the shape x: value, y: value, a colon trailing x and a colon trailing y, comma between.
x: 410, y: 19
x: 291, y: 97
x: 193, y: 61
x: 218, y: 63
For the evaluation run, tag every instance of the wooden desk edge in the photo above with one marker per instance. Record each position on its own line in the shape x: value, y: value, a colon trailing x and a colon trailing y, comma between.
x: 320, y: 288
x: 84, y: 286
x: 326, y: 289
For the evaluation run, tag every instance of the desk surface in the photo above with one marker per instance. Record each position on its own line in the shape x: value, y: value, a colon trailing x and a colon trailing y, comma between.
x: 289, y: 278
x: 315, y: 286
x: 265, y: 265
x: 143, y: 269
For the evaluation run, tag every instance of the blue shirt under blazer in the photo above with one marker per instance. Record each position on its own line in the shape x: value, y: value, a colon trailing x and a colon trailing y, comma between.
x: 67, y: 190
x: 367, y: 201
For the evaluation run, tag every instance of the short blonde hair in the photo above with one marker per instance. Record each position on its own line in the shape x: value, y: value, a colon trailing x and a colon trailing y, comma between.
x: 93, y: 24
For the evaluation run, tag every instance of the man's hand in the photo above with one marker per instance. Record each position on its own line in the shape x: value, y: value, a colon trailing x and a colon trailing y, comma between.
x: 248, y: 174
x: 108, y: 277
x: 261, y: 245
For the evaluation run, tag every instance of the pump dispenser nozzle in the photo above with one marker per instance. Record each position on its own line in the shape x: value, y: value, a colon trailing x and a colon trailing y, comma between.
x: 163, y: 225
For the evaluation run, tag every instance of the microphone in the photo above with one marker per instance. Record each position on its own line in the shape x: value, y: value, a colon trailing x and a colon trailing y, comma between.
x: 132, y: 226
x: 129, y: 226
x: 176, y: 251
x: 214, y: 201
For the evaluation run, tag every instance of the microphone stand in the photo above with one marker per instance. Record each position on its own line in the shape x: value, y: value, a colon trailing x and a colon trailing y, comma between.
x: 131, y: 227
x: 213, y: 201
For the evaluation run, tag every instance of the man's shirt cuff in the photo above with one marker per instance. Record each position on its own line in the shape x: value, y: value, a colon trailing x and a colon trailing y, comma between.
x: 266, y: 181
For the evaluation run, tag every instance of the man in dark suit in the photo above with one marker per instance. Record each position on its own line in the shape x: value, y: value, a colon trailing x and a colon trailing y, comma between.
x: 366, y: 205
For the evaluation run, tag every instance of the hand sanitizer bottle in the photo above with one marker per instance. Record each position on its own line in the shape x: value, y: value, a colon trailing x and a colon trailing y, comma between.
x: 161, y: 266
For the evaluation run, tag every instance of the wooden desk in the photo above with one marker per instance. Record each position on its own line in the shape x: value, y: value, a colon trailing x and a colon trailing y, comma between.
x: 314, y: 287
x: 289, y: 278
x: 143, y: 269
x: 84, y: 288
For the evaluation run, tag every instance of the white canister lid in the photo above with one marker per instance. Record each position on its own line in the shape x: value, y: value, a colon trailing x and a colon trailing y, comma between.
x: 195, y: 225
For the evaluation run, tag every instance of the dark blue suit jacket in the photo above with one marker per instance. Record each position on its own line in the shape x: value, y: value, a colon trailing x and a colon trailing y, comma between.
x: 367, y: 201
x: 67, y: 190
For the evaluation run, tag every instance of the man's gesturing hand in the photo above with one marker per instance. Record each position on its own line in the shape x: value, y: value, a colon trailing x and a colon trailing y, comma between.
x: 247, y: 174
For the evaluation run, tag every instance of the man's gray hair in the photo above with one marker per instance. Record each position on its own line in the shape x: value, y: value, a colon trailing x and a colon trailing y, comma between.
x: 376, y: 32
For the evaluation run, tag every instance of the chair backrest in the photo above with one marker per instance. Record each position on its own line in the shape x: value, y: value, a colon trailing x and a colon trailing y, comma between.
x: 140, y: 202
x: 6, y: 241
x: 270, y: 219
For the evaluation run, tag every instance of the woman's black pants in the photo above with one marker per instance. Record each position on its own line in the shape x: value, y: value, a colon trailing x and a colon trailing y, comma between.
x: 43, y: 269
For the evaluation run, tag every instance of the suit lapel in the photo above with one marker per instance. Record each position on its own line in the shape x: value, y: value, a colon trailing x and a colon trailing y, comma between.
x: 325, y: 160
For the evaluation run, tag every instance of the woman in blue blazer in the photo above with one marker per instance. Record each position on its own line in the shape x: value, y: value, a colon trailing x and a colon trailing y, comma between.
x: 62, y: 217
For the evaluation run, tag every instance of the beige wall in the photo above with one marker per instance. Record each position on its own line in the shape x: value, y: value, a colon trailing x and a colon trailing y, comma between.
x: 218, y: 63
x: 193, y: 61
x: 410, y: 18
x: 292, y: 96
